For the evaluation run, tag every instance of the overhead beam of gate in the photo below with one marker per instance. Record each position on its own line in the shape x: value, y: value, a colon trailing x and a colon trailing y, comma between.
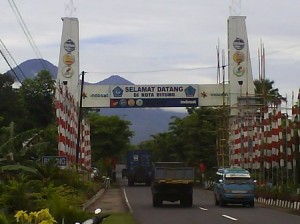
x: 141, y: 96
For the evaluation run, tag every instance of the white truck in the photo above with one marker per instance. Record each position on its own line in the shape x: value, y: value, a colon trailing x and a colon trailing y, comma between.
x: 172, y: 181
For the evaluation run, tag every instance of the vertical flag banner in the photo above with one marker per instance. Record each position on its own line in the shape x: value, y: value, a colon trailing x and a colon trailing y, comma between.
x: 68, y: 65
x: 239, y: 63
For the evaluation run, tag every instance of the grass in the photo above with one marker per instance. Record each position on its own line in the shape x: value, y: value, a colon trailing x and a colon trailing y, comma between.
x: 120, y: 218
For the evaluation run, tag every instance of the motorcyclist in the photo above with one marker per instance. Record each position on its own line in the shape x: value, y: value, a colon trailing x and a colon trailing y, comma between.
x: 99, y: 219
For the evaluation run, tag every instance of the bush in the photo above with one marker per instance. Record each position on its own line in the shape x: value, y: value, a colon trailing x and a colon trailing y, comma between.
x: 287, y: 193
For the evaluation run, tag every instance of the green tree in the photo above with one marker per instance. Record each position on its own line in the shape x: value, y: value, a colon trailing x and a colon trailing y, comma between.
x: 109, y: 136
x: 37, y: 101
x: 190, y: 139
x: 162, y: 147
x: 264, y: 88
x: 9, y: 109
x: 20, y: 146
x: 196, y: 136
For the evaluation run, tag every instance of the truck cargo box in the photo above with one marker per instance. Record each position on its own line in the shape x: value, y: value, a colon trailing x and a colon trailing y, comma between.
x: 139, y: 167
x: 172, y: 182
x: 174, y: 174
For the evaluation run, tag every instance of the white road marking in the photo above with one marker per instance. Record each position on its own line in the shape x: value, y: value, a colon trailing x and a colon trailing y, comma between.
x: 127, y: 202
x: 229, y: 217
x: 204, y: 209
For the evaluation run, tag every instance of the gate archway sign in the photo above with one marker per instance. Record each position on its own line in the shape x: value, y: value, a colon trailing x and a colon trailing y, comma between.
x: 178, y: 95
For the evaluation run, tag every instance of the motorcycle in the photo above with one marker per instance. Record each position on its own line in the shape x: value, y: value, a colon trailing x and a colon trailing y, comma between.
x: 98, y: 219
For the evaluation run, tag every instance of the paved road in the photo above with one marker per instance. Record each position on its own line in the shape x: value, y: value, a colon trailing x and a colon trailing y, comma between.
x: 113, y: 200
x: 203, y: 210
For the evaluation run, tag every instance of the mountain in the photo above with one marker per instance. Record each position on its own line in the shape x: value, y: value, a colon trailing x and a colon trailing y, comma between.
x: 30, y: 68
x: 145, y: 121
x: 114, y: 80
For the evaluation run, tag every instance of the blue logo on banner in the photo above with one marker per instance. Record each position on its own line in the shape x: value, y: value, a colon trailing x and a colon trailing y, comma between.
x: 190, y: 91
x: 118, y: 91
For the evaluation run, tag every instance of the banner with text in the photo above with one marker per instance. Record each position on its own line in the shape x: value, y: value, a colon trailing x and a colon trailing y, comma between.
x: 213, y: 95
x: 96, y: 96
x: 130, y: 96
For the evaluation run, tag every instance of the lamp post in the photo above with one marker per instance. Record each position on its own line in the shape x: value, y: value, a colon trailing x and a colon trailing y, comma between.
x: 79, y: 121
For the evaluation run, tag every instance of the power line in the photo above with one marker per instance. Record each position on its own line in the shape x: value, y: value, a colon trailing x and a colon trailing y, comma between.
x: 10, y: 67
x: 190, y: 69
x: 11, y: 57
x: 154, y: 71
x: 27, y: 33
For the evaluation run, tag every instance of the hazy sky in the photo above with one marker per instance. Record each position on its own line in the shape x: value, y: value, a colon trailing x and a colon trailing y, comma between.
x: 158, y: 41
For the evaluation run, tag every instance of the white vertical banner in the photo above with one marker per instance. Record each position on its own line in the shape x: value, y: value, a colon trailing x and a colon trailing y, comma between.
x: 68, y: 65
x: 239, y: 63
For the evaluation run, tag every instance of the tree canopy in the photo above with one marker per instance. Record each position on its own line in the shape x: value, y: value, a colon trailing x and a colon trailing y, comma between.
x: 110, y: 136
x: 191, y: 139
x: 9, y: 109
x: 36, y: 98
x: 265, y: 89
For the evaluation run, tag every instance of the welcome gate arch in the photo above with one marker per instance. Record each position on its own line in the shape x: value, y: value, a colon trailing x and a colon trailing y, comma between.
x: 141, y: 96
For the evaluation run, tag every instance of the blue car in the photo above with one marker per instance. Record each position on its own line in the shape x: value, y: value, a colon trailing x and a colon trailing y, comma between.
x: 234, y: 186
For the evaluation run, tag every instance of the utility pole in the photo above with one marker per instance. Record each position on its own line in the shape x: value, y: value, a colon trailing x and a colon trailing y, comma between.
x: 223, y: 135
x: 79, y: 121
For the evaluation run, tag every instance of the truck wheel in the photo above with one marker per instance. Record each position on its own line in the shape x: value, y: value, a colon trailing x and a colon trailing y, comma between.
x: 216, y: 200
x: 186, y: 201
x: 182, y: 202
x: 222, y: 202
x: 156, y: 201
x: 130, y: 182
x: 251, y: 204
x: 189, y: 201
x: 148, y: 182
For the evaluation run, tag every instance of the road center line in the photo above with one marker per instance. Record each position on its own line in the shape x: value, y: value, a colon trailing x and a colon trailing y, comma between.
x: 229, y: 217
x: 204, y: 209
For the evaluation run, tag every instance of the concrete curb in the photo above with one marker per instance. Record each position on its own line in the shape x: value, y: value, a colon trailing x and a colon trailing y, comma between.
x: 295, y: 205
x: 93, y: 199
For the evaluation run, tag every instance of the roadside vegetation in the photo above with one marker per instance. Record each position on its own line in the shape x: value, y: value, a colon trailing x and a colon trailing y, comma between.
x: 28, y: 131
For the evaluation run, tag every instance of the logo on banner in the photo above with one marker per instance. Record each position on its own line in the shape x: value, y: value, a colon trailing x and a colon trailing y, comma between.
x: 139, y: 102
x: 123, y: 102
x: 131, y: 102
x: 239, y: 70
x: 68, y: 72
x: 203, y: 94
x: 238, y: 44
x: 238, y: 57
x: 68, y: 59
x: 69, y: 46
x: 190, y: 91
x: 118, y: 92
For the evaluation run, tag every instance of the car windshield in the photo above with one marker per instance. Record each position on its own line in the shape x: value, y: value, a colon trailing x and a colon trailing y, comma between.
x: 238, y: 178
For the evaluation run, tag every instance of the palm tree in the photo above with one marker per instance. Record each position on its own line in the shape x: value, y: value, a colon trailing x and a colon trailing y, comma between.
x: 264, y: 88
